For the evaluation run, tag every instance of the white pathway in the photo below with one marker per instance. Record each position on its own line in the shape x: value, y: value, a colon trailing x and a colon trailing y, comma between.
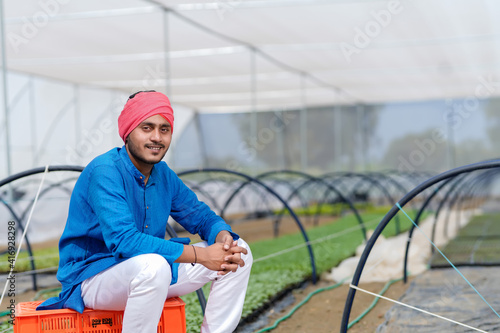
x: 385, y: 261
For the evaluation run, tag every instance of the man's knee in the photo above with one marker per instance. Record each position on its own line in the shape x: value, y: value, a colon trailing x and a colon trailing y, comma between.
x: 154, y: 271
x: 248, y: 258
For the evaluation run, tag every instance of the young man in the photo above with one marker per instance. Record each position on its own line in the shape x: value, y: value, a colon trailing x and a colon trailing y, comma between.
x: 113, y: 255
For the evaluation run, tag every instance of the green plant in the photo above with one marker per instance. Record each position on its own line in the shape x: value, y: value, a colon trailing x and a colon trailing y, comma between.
x: 44, y: 258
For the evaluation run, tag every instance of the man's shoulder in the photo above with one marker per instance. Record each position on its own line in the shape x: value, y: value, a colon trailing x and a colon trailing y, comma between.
x: 162, y: 166
x: 109, y: 159
x: 163, y: 171
x: 110, y: 156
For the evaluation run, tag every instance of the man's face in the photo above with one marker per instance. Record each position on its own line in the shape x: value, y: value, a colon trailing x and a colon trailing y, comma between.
x: 149, y: 142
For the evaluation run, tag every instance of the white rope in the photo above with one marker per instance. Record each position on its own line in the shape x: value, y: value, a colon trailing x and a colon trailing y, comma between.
x: 272, y: 255
x: 24, y: 233
x: 417, y: 309
x: 319, y: 240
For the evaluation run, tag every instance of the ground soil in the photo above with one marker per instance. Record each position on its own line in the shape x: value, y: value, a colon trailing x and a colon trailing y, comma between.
x: 323, y: 312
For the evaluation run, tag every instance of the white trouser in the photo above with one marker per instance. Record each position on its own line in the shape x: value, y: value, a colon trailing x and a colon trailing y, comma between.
x: 140, y: 285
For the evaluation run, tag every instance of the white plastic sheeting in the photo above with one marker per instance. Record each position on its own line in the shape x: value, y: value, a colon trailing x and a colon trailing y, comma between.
x: 277, y: 54
x: 387, y: 256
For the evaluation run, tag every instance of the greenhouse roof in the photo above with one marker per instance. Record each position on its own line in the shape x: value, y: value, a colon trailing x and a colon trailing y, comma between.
x: 237, y: 56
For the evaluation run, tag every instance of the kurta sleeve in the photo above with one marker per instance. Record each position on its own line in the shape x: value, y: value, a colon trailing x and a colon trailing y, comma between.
x: 195, y: 216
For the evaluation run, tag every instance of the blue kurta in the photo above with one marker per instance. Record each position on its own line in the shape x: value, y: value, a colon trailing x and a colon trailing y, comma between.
x: 113, y: 216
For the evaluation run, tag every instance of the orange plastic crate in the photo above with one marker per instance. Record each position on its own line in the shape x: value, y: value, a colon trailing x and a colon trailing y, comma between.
x: 28, y: 320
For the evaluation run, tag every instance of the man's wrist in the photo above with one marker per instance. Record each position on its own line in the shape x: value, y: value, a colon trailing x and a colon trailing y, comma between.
x: 221, y: 235
x: 195, y: 256
x: 201, y: 255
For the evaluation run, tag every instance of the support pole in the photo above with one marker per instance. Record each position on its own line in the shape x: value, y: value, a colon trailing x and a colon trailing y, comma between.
x: 253, y: 98
x: 78, y: 120
x: 5, y: 91
x: 168, y: 85
x: 337, y: 118
x: 280, y: 137
x: 359, y: 156
x: 166, y: 45
x: 204, y: 157
x: 33, y: 122
x: 363, y: 132
x: 450, y: 152
x: 303, y: 124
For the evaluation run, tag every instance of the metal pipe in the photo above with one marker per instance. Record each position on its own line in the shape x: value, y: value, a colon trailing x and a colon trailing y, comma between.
x: 303, y: 124
x: 204, y: 156
x: 388, y: 217
x: 5, y: 91
x: 34, y: 136
x: 253, y: 96
x: 337, y: 141
x: 78, y: 118
x: 280, y: 140
x: 166, y: 45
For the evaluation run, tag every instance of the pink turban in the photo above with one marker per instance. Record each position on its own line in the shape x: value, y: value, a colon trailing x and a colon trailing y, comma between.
x: 142, y: 106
